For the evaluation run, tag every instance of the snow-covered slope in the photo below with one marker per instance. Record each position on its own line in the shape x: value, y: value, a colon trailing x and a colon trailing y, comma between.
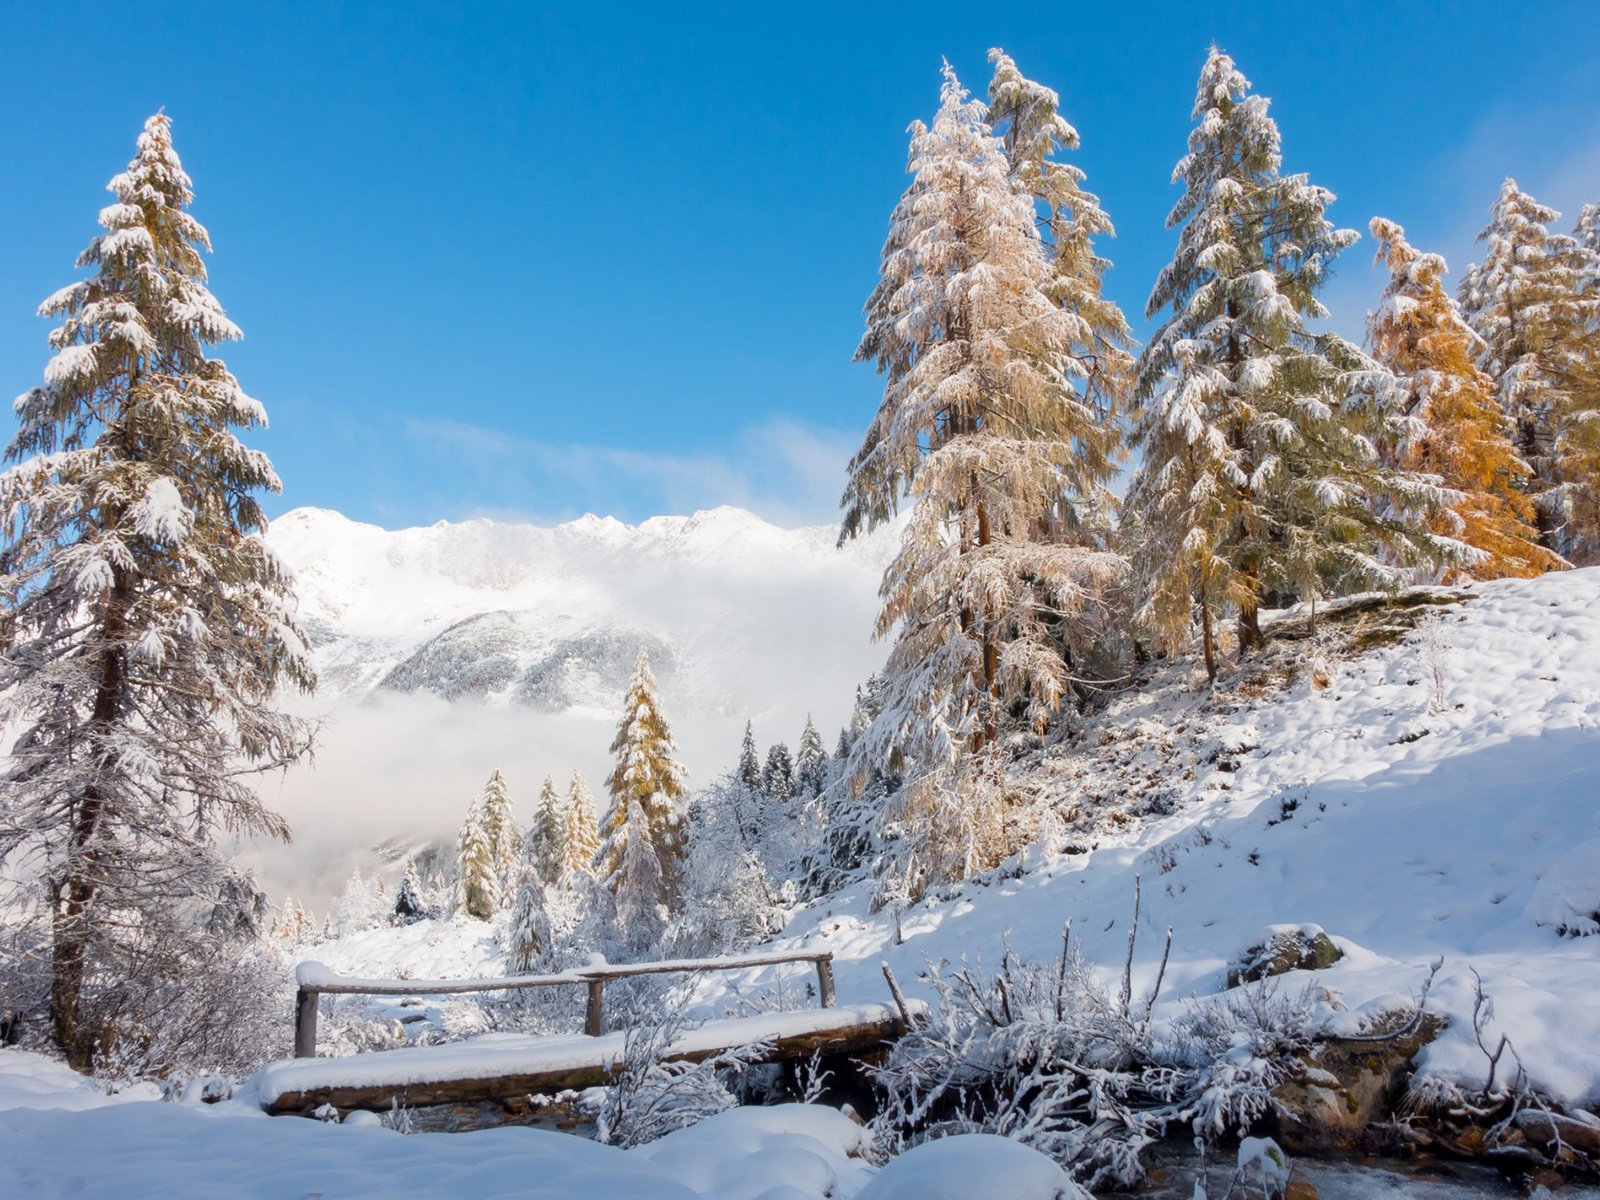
x: 454, y: 650
x: 554, y: 617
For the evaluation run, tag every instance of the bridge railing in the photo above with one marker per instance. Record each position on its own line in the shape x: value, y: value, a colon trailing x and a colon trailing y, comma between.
x: 315, y: 981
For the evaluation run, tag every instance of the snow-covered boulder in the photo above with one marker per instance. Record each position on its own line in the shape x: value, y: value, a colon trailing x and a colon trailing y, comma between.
x: 1567, y: 896
x: 1283, y: 948
x: 972, y: 1166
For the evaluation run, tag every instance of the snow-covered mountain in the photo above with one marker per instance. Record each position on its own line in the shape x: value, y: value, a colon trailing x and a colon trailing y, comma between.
x: 450, y: 651
x: 553, y: 617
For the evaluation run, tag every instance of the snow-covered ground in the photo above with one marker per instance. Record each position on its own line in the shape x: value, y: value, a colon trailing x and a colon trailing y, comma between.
x: 62, y: 1138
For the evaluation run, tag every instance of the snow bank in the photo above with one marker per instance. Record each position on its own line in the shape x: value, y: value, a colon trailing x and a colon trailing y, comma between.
x: 178, y: 1151
x: 1567, y: 897
x: 970, y: 1166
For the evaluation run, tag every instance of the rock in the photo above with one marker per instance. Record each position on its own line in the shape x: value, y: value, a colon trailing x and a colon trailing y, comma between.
x: 1284, y: 948
x: 1300, y: 1189
x: 1345, y: 1087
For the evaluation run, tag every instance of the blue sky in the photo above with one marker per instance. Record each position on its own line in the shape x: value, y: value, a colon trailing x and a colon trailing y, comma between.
x: 522, y: 260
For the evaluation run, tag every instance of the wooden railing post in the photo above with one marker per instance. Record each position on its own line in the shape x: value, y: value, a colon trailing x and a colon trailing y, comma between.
x: 305, y: 1023
x: 825, y: 980
x: 591, y: 1016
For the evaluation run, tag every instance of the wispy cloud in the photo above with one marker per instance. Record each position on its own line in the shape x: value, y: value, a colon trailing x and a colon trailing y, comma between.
x: 784, y: 471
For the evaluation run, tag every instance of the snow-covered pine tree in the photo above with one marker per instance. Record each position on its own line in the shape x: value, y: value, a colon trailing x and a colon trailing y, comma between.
x: 1452, y: 426
x: 409, y: 906
x: 777, y: 777
x: 980, y: 422
x: 1027, y: 117
x: 530, y: 935
x: 546, y: 845
x: 1260, y: 478
x: 148, y: 628
x: 1525, y: 299
x: 646, y: 777
x: 810, y: 763
x: 639, y: 882
x: 480, y: 882
x: 582, y: 834
x: 500, y: 829
x: 749, y: 769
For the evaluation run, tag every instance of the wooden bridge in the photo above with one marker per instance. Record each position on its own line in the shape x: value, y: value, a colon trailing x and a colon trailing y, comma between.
x: 506, y: 1066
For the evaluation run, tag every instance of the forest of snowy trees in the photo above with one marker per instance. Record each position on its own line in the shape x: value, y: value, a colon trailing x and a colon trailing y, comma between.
x: 1071, y: 506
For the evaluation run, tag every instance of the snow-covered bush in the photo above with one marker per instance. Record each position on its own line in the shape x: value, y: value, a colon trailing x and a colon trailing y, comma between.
x: 1235, y: 1050
x: 194, y: 1006
x: 652, y: 1096
x: 1040, y: 1053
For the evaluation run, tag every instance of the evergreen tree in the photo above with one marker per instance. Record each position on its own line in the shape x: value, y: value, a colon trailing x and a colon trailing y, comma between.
x: 811, y: 762
x: 547, y: 839
x: 500, y: 830
x: 1574, y: 503
x: 530, y: 935
x: 409, y: 905
x: 1525, y: 300
x: 480, y: 882
x: 1027, y: 117
x: 582, y: 837
x: 1452, y: 426
x: 981, y: 423
x: 646, y: 777
x: 777, y: 777
x: 1260, y: 476
x: 749, y: 769
x: 639, y: 883
x: 147, y: 626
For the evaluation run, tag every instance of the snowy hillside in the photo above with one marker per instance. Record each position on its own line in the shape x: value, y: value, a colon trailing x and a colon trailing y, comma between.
x: 453, y: 650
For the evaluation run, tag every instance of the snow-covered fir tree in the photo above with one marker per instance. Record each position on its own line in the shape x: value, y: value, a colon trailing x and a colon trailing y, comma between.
x: 647, y: 778
x: 409, y: 905
x: 749, y: 768
x: 1450, y: 424
x: 777, y: 776
x: 1260, y: 477
x: 980, y: 424
x: 730, y: 897
x: 1525, y: 300
x: 530, y: 936
x: 810, y: 762
x: 148, y: 628
x: 582, y: 835
x: 479, y: 878
x: 546, y: 845
x: 638, y: 882
x: 500, y: 829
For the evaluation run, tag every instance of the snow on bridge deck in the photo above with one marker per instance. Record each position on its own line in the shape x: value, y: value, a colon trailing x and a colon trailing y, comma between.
x: 499, y: 1066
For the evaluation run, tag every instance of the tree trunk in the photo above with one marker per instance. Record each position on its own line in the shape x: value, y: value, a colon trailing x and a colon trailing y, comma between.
x: 1250, y: 613
x: 71, y: 921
